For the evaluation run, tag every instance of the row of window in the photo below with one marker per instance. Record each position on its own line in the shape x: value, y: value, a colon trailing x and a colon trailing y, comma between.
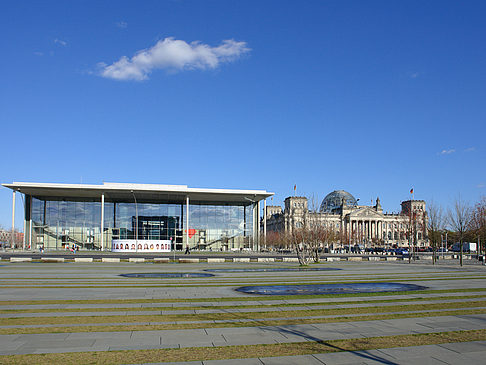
x: 79, y: 222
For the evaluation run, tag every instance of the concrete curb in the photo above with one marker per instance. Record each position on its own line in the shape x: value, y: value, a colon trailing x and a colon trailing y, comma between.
x: 20, y: 259
x: 136, y: 259
x: 110, y: 259
x: 160, y: 260
x: 83, y: 259
x: 189, y: 261
x: 266, y: 259
x: 216, y: 259
x: 52, y: 259
x: 223, y: 259
x: 290, y: 259
x: 333, y: 259
x: 241, y: 259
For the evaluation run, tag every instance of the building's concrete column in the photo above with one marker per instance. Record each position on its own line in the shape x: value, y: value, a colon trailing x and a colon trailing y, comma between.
x: 256, y: 225
x: 187, y: 221
x: 103, y: 221
x: 27, y: 220
x: 361, y: 230
x: 12, y: 236
x: 265, y: 223
x: 30, y: 229
x: 348, y: 229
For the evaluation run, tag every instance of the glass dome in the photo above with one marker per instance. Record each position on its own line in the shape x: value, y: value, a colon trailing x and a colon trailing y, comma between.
x: 334, y: 200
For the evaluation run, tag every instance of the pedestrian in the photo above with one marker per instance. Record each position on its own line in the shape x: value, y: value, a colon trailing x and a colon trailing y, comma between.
x: 188, y: 252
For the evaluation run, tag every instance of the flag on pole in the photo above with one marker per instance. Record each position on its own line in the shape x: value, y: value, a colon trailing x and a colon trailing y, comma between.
x: 411, y: 191
x: 295, y: 187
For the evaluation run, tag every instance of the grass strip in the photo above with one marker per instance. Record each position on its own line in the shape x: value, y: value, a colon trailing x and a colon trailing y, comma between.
x: 254, y: 323
x: 222, y: 279
x: 279, y: 305
x: 237, y: 298
x: 245, y: 351
x: 218, y: 284
x: 268, y: 275
x: 232, y: 316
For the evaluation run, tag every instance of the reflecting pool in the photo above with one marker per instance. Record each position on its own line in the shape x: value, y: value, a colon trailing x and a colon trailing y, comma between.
x: 314, y: 289
x: 274, y: 269
x: 167, y: 275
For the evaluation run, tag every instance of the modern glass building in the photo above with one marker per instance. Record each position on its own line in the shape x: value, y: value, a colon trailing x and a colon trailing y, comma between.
x: 139, y: 217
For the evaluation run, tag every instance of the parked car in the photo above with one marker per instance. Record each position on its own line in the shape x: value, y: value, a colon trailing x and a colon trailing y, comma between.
x: 401, y: 251
x: 466, y: 247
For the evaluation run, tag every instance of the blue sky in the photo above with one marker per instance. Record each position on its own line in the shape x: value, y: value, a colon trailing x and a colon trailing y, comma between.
x: 374, y: 97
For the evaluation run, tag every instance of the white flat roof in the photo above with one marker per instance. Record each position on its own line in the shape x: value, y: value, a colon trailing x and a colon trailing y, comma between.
x: 142, y: 192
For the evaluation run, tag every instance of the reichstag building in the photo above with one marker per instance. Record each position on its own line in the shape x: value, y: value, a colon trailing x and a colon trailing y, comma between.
x: 353, y: 223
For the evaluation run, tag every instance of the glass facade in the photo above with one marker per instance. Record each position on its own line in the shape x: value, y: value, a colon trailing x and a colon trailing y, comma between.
x: 57, y: 224
x: 220, y: 226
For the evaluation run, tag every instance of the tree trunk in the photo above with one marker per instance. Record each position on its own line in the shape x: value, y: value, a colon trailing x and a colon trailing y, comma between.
x: 316, y: 255
x: 460, y: 256
x: 302, y: 256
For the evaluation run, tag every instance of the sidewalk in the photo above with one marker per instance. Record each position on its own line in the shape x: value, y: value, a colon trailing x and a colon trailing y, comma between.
x: 450, y: 353
x: 232, y: 336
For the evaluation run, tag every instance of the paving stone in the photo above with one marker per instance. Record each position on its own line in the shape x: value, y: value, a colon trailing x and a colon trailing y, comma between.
x: 355, y: 357
x: 233, y: 362
x: 473, y: 358
x: 291, y: 360
x: 465, y: 347
x: 415, y: 351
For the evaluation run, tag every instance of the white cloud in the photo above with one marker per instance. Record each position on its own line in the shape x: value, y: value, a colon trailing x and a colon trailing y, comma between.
x: 480, y: 186
x: 414, y: 75
x: 122, y: 24
x: 40, y: 54
x: 470, y: 149
x: 447, y: 152
x: 60, y: 42
x: 175, y: 55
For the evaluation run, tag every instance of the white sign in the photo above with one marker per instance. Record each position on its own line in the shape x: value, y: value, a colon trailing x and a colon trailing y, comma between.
x: 141, y: 246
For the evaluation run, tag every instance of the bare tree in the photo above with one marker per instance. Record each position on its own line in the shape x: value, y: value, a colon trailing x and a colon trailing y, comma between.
x: 300, y: 242
x: 459, y: 218
x: 435, y: 226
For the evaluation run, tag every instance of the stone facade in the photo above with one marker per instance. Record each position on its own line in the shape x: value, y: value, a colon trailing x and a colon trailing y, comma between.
x: 353, y: 223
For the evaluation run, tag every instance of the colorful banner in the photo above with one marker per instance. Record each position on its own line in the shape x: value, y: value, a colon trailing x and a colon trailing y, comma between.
x: 141, y: 246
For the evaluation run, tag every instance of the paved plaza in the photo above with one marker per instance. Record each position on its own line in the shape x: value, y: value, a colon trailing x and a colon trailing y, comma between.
x: 69, y: 308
